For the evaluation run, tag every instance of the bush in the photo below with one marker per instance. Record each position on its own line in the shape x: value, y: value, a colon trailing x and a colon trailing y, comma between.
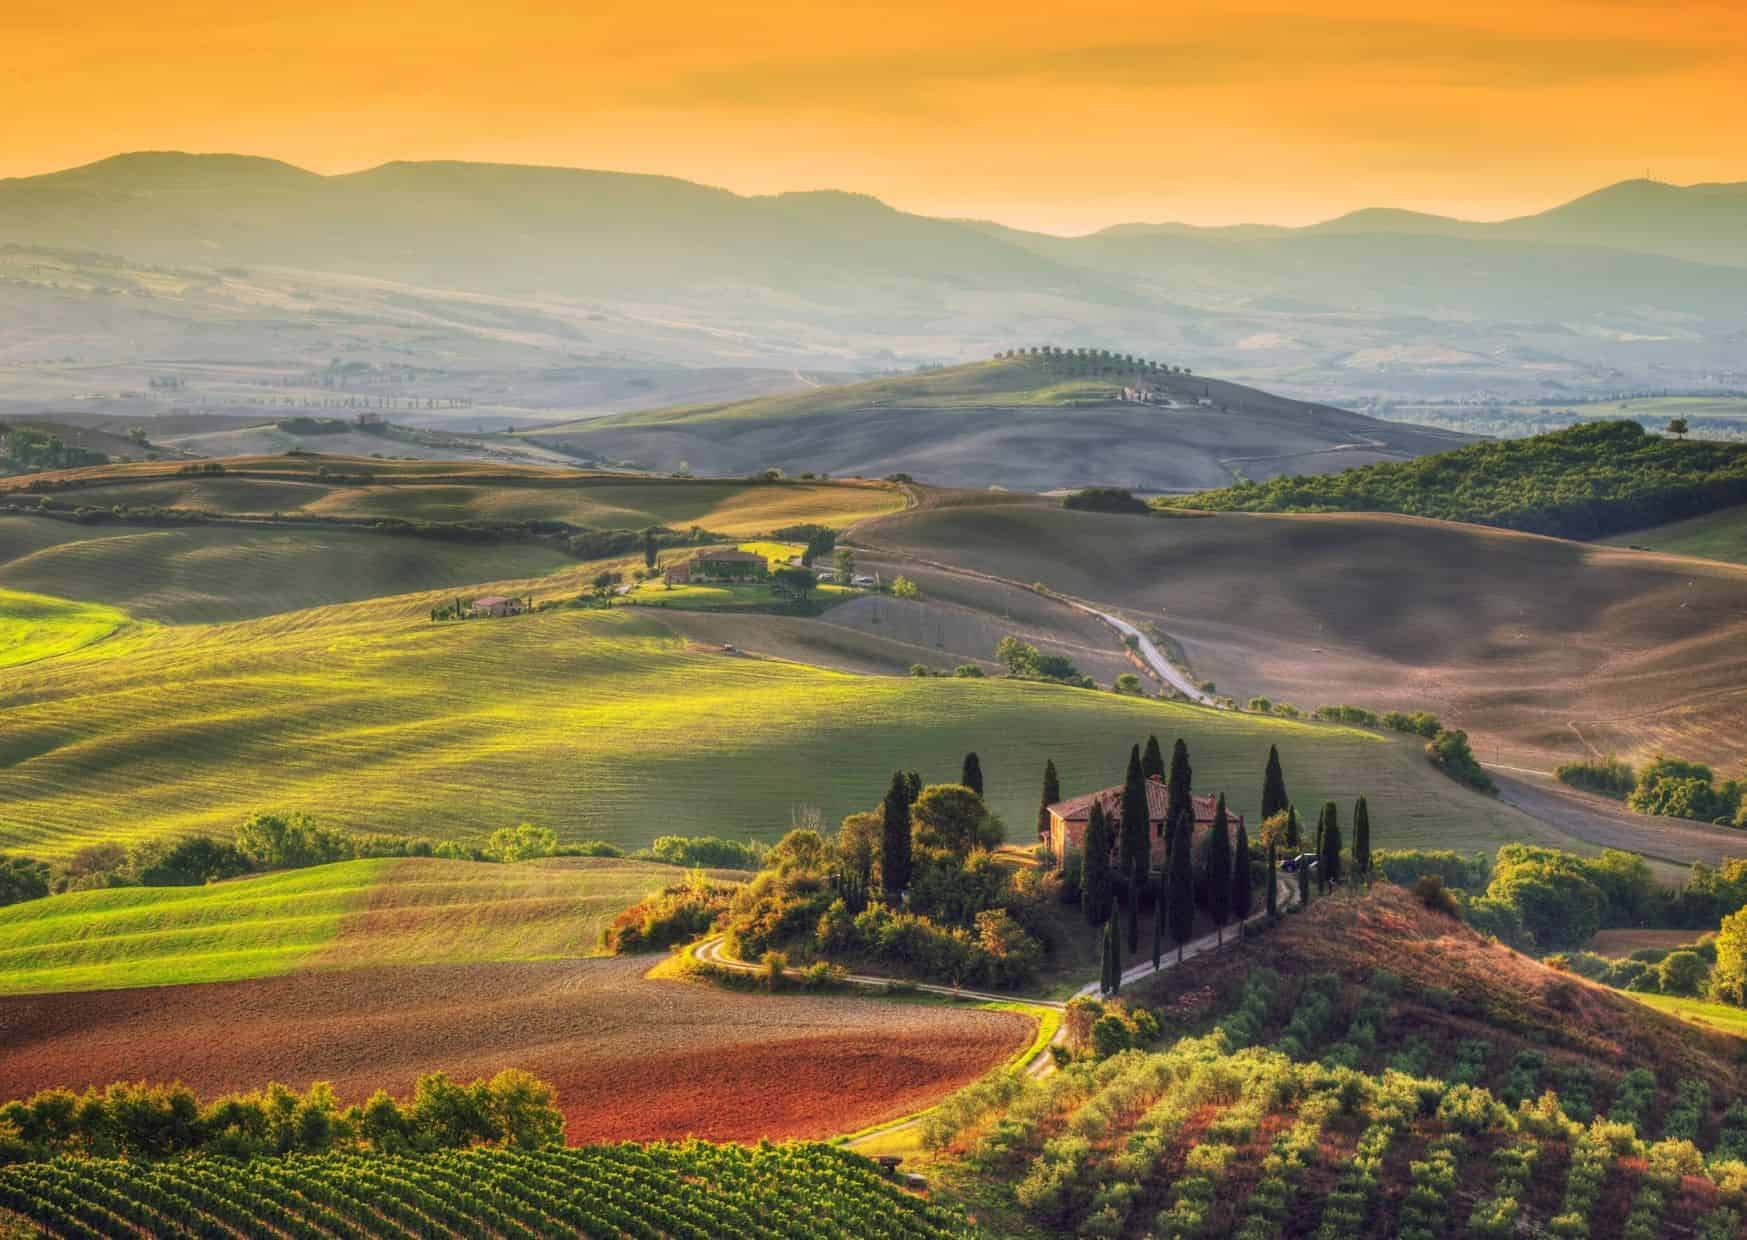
x: 1683, y: 973
x: 1610, y: 777
x: 1449, y: 752
x: 1106, y: 499
x: 675, y: 914
x: 707, y: 851
x: 22, y: 878
x: 1404, y: 866
x: 1429, y: 889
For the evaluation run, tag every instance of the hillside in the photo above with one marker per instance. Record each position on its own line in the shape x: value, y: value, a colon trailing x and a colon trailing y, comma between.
x: 347, y: 915
x: 532, y: 290
x: 1720, y: 535
x: 600, y: 724
x: 1358, y: 1073
x: 1544, y: 650
x: 1596, y: 479
x: 1031, y: 422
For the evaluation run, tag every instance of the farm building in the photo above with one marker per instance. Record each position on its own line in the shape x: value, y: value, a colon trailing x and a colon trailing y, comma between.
x: 1068, y: 819
x: 725, y: 565
x: 495, y: 605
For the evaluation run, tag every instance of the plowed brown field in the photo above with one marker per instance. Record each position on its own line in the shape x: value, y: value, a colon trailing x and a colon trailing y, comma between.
x: 631, y: 1058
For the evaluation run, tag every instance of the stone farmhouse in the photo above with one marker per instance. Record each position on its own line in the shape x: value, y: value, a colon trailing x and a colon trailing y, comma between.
x: 1068, y: 819
x: 720, y: 565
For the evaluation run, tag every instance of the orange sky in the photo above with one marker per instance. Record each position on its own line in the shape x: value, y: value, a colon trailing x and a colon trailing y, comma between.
x: 1065, y: 117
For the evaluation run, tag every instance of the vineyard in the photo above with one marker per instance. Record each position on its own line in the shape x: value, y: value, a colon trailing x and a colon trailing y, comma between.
x: 1332, y: 1098
x: 690, y: 1191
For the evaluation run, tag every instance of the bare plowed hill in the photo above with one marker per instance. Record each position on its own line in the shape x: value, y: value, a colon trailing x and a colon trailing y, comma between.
x: 1543, y: 649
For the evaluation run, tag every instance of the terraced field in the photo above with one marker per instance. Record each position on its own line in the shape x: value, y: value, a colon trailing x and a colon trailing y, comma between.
x: 353, y: 914
x: 600, y: 725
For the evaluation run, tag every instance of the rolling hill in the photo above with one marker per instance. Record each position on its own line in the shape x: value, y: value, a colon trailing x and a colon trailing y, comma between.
x: 348, y: 915
x: 1026, y: 422
x: 1545, y: 650
x: 554, y: 289
x: 1369, y: 1068
x: 600, y: 724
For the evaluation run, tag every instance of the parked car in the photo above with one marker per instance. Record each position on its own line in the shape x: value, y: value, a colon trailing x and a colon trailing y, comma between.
x: 1303, y: 861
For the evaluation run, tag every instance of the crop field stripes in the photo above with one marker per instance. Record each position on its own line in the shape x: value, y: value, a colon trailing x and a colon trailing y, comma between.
x: 688, y: 1191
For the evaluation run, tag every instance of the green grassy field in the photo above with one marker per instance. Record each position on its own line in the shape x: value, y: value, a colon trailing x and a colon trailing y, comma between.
x: 600, y: 724
x: 35, y: 626
x: 708, y: 596
x: 264, y: 485
x: 1698, y: 1011
x: 348, y: 915
x: 206, y: 574
x: 1714, y: 536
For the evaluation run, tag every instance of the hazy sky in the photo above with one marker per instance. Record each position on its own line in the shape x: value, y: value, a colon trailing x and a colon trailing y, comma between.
x: 1065, y: 117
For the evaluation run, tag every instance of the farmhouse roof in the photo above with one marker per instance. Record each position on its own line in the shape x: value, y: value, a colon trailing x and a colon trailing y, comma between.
x: 1079, y: 809
x: 491, y: 600
x: 731, y: 556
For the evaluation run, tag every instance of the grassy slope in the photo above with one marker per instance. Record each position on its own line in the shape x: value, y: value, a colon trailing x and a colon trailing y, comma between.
x: 35, y: 626
x: 454, y: 491
x: 1698, y: 1011
x: 1454, y: 988
x: 1537, y: 645
x: 1715, y: 536
x: 203, y: 575
x: 600, y: 724
x: 353, y: 914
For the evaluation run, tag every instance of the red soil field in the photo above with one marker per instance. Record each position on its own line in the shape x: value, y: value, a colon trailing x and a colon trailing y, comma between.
x: 631, y: 1058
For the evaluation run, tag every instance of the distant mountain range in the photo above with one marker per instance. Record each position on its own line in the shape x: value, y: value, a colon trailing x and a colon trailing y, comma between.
x: 1640, y: 284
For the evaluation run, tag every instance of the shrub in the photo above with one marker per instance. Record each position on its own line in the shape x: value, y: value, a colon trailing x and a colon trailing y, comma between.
x: 708, y: 851
x: 1682, y: 973
x: 675, y: 914
x: 1429, y: 889
x: 521, y: 843
x: 1609, y: 776
x: 1106, y: 499
x: 1402, y: 866
x: 1450, y: 753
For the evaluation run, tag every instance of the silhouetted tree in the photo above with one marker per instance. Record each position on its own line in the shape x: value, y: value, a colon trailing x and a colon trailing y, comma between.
x: 1219, y: 869
x: 1112, y: 980
x: 1274, y: 797
x: 1159, y: 900
x: 649, y: 547
x: 973, y: 774
x: 1362, y: 841
x: 1330, y: 865
x: 1240, y: 879
x: 1182, y: 880
x: 912, y: 785
x: 1178, y: 786
x: 1294, y: 837
x: 1052, y: 792
x: 1135, y: 838
x: 1270, y: 898
x: 1095, y: 885
x: 895, y: 836
x: 1152, y: 762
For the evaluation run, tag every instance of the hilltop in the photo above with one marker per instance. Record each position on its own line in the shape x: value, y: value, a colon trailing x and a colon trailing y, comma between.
x: 548, y: 291
x: 1592, y: 480
x: 1029, y: 420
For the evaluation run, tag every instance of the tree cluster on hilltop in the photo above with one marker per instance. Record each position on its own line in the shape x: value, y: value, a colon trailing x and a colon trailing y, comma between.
x: 1589, y: 481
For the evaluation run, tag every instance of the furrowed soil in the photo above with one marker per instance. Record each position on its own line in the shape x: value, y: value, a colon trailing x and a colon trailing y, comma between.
x: 631, y: 1058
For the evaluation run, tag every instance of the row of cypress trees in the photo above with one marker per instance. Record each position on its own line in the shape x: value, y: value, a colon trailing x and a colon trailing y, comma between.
x: 1225, y: 880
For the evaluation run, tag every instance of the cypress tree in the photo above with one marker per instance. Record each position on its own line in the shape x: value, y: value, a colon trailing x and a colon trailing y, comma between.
x: 1179, y: 785
x: 972, y: 777
x: 1095, y: 868
x: 1152, y: 762
x: 1274, y: 797
x: 1240, y: 879
x: 1303, y: 887
x: 1136, y: 837
x: 895, y: 837
x: 912, y: 786
x: 1112, y: 953
x: 1362, y: 841
x: 1052, y: 792
x: 1331, y: 846
x: 1159, y: 920
x: 1272, y: 899
x: 1219, y: 869
x: 1294, y: 839
x: 1182, y: 882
